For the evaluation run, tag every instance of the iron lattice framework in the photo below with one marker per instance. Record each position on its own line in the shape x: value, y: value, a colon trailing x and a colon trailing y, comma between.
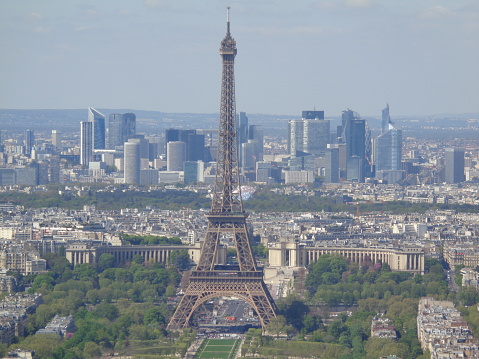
x: 226, y: 217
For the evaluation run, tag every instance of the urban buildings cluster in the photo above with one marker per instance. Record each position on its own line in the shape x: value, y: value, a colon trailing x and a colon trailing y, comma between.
x: 14, y: 310
x: 311, y: 151
x: 443, y: 331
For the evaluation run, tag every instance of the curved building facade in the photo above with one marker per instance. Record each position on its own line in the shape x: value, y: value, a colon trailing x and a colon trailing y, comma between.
x: 176, y: 155
x: 132, y: 162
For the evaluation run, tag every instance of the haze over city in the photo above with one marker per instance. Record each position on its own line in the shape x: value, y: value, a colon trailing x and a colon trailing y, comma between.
x: 163, y: 55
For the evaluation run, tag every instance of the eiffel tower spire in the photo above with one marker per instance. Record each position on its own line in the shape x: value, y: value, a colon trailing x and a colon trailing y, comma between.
x: 226, y: 217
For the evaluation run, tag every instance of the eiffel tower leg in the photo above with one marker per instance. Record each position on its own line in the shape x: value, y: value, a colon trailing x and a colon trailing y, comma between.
x: 183, y: 312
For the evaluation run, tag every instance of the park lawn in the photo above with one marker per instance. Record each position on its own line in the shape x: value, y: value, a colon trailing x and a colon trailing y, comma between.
x: 217, y: 349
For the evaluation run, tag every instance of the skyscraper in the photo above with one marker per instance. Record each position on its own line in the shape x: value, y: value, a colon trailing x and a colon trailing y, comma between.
x: 332, y: 165
x: 309, y: 135
x: 132, y: 162
x: 242, y: 136
x: 176, y: 155
x: 86, y: 142
x: 354, y: 136
x: 388, y: 150
x: 116, y: 124
x: 130, y: 125
x: 195, y: 147
x: 121, y: 127
x: 99, y: 132
x: 385, y: 120
x: 29, y: 141
x: 454, y: 165
x: 57, y: 138
x: 255, y: 133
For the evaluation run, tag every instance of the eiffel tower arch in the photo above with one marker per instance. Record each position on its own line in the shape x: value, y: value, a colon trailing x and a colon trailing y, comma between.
x: 227, y: 217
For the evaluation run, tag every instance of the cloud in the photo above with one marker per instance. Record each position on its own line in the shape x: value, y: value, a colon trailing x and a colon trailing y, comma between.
x: 155, y: 3
x: 35, y: 16
x: 314, y: 30
x: 42, y: 30
x: 85, y: 28
x: 358, y: 3
x: 436, y: 11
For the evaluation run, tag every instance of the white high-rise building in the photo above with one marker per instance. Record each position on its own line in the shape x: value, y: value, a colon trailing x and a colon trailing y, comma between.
x: 86, y: 142
x: 176, y: 155
x: 308, y: 135
x: 132, y: 162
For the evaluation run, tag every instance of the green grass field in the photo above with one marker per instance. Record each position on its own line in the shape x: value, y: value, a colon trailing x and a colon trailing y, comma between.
x: 218, y: 349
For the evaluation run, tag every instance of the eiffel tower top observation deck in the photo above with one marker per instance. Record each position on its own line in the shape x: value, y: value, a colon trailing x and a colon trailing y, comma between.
x: 227, y: 192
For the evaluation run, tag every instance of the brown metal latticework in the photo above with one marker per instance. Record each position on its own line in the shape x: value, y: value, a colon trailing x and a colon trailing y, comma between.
x: 226, y: 216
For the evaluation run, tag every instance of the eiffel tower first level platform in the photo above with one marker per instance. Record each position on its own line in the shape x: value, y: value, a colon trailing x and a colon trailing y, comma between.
x: 205, y: 285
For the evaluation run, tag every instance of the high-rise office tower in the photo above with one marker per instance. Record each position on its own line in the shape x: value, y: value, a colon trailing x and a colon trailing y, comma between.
x: 194, y: 172
x: 86, y: 142
x: 57, y: 138
x: 242, y: 128
x: 312, y: 115
x: 354, y: 136
x: 388, y: 150
x: 130, y: 125
x: 195, y: 147
x: 29, y: 141
x: 116, y: 130
x: 99, y: 132
x: 121, y: 127
x: 242, y: 135
x: 173, y: 134
x: 315, y: 135
x: 131, y: 162
x: 332, y: 165
x: 176, y: 155
x: 385, y: 120
x: 248, y: 151
x: 309, y: 135
x: 454, y: 163
x: 255, y: 133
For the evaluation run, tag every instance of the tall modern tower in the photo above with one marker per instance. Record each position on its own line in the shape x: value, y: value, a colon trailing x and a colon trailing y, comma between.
x: 116, y: 124
x: 227, y: 217
x: 176, y: 155
x: 388, y: 150
x: 99, y: 132
x: 132, y: 162
x: 310, y: 134
x: 355, y: 137
x: 86, y: 142
x: 29, y: 141
x: 385, y: 120
x: 454, y: 163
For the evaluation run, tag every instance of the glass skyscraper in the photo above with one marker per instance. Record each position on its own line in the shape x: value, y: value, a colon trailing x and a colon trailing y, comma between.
x: 99, y: 132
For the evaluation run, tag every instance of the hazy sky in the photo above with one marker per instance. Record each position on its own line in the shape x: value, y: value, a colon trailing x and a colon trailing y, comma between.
x: 421, y: 56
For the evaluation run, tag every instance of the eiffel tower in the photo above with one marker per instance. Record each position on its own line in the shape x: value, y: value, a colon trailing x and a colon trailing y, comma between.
x: 244, y: 281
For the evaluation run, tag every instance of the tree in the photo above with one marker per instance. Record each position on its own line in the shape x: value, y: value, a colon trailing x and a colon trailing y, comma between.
x: 91, y: 350
x: 277, y: 326
x: 138, y: 259
x: 180, y: 259
x: 106, y: 261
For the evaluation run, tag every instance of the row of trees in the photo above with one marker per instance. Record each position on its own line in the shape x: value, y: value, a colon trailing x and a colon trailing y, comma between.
x: 263, y: 201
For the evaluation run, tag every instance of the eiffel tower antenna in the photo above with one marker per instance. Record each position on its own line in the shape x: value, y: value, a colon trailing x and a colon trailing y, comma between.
x: 227, y: 216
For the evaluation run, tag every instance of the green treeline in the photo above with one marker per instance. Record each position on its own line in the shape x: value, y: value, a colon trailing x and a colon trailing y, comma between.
x: 263, y: 201
x: 149, y: 240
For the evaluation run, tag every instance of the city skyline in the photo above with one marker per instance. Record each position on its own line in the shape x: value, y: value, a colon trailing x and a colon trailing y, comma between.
x: 331, y: 55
